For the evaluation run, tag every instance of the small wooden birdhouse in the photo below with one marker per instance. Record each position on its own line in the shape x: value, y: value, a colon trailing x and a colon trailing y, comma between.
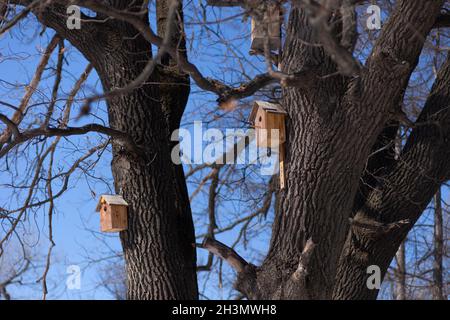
x: 113, y: 213
x: 265, y: 117
x: 269, y: 26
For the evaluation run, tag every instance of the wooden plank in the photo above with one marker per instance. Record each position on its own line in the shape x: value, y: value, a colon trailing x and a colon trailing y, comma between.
x: 119, y: 218
x: 282, y: 176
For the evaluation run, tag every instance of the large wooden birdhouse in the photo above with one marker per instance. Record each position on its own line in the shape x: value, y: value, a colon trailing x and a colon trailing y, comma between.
x: 265, y: 117
x: 269, y: 26
x: 113, y: 211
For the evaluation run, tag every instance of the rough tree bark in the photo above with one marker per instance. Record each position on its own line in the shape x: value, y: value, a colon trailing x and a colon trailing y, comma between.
x: 333, y: 125
x: 159, y: 245
x: 403, y: 194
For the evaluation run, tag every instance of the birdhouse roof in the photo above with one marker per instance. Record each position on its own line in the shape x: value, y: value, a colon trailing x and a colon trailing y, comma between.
x: 267, y: 107
x: 111, y: 200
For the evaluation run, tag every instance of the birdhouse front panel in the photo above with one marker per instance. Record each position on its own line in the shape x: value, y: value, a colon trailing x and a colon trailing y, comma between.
x: 266, y: 138
x: 105, y: 218
x: 260, y: 119
x: 272, y: 22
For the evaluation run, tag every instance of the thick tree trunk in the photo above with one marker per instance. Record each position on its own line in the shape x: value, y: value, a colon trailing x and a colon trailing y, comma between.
x: 159, y: 245
x: 317, y: 189
x: 403, y: 194
x: 333, y: 122
x: 327, y: 145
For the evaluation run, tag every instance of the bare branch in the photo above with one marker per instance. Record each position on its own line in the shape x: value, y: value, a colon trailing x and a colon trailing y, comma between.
x: 318, y: 17
x: 10, y: 125
x: 225, y: 253
x: 31, y: 88
x: 29, y: 7
x: 73, y: 131
x: 302, y: 269
x: 377, y: 228
x: 224, y: 91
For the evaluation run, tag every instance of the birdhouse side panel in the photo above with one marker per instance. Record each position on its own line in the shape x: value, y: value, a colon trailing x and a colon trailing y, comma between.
x: 266, y: 137
x: 276, y: 121
x: 119, y: 219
